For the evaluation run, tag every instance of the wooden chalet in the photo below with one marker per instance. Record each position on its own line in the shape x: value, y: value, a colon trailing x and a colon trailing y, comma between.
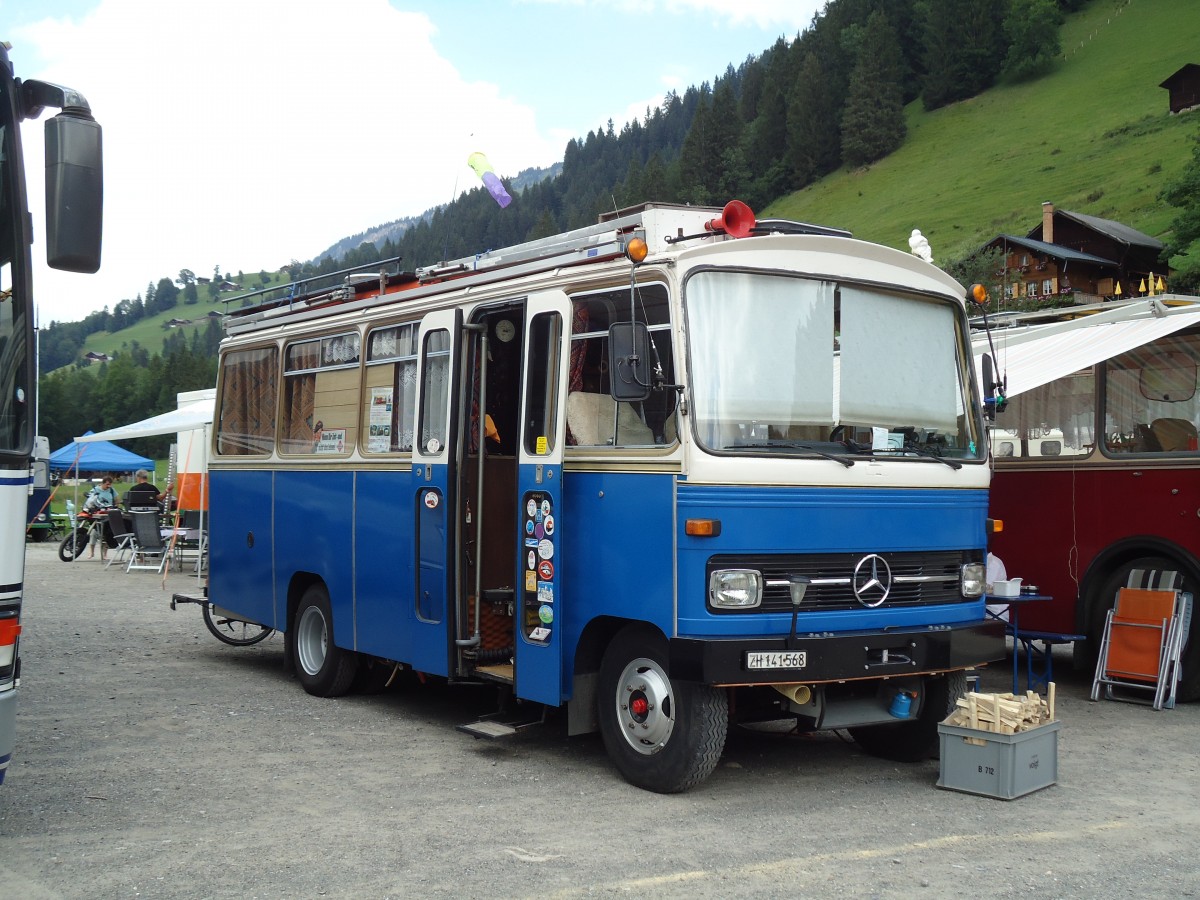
x: 1183, y: 88
x: 1075, y: 258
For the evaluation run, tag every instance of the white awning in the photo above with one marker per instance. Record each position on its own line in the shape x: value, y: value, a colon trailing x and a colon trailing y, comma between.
x: 189, y: 416
x: 1034, y: 355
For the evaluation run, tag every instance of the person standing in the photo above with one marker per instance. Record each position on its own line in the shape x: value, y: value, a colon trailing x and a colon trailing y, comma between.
x: 99, y: 498
x: 144, y: 494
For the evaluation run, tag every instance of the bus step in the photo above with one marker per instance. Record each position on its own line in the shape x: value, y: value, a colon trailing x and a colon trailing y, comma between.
x: 494, y: 728
x: 188, y: 598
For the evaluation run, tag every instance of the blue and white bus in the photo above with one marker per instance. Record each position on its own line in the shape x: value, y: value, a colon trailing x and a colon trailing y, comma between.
x: 72, y: 238
x: 672, y: 471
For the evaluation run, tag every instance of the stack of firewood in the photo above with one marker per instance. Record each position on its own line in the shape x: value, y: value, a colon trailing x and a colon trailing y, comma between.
x: 1003, y: 713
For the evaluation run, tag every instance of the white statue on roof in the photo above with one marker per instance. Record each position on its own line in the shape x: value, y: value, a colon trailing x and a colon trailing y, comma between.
x: 919, y: 245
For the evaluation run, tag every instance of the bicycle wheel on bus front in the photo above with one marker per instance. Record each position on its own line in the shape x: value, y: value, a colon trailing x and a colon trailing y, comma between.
x: 234, y: 631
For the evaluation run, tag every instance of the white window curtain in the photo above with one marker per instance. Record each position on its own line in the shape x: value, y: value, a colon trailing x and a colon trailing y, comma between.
x: 766, y: 343
x: 897, y: 362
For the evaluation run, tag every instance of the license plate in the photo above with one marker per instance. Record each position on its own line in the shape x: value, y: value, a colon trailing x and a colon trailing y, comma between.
x: 756, y: 660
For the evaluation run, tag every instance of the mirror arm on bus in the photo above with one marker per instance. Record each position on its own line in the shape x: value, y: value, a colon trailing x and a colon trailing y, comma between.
x: 994, y: 391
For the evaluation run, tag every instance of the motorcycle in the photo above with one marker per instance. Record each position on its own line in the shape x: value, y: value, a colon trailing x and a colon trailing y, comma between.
x: 76, y: 541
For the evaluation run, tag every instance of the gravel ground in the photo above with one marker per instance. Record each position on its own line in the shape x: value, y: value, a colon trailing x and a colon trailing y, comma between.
x: 153, y: 761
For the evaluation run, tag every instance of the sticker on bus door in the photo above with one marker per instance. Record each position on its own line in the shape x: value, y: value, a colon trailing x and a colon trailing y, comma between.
x: 537, y: 601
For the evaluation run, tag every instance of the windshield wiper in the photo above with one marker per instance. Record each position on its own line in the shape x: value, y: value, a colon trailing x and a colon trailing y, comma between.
x: 924, y: 454
x: 793, y: 445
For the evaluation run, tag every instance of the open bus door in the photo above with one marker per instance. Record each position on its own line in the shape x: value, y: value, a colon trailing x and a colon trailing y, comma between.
x: 435, y: 489
x: 539, y: 494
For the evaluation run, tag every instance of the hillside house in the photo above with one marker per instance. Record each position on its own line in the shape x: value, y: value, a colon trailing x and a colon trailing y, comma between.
x: 228, y: 286
x: 1077, y: 258
x: 176, y: 323
x: 91, y: 356
x: 1183, y: 88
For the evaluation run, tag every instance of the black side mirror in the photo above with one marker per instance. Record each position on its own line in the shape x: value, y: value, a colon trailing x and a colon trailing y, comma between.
x: 629, y: 361
x: 74, y: 193
x: 994, y: 400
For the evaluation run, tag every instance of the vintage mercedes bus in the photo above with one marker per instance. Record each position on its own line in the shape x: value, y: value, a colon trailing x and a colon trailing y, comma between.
x: 671, y: 471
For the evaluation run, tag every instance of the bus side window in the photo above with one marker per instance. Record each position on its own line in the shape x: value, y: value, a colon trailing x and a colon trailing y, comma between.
x: 246, y: 422
x: 594, y: 419
x: 389, y: 390
x: 320, y: 393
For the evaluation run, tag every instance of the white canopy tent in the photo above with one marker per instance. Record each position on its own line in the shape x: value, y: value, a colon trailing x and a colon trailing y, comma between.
x: 1033, y: 355
x: 191, y: 422
x: 188, y: 417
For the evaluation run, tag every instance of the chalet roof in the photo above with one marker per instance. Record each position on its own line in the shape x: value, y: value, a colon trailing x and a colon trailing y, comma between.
x: 1122, y: 234
x: 1054, y: 251
x: 1178, y: 74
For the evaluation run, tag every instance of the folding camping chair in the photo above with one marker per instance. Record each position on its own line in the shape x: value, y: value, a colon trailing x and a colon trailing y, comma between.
x: 149, y: 545
x: 125, y: 539
x: 1142, y: 644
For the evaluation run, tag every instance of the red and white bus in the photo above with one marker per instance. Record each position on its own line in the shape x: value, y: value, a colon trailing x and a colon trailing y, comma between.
x: 1097, y: 469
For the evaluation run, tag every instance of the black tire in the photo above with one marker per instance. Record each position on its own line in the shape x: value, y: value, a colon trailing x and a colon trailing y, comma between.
x: 324, y: 669
x: 662, y: 735
x: 917, y: 739
x: 1188, y: 689
x: 73, y: 545
x: 234, y: 631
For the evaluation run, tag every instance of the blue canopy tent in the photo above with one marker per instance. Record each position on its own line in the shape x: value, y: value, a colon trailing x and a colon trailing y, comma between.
x: 97, y: 456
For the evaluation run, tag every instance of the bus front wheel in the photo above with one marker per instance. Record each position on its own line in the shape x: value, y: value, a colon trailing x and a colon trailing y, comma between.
x: 324, y: 669
x: 662, y: 735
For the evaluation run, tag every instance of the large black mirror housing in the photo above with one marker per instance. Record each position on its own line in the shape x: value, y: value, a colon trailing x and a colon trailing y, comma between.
x: 74, y: 192
x: 629, y: 361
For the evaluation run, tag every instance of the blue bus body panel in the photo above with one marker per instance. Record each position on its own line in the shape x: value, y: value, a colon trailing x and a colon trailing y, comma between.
x: 383, y: 564
x: 240, y: 542
x: 314, y: 532
x: 616, y: 540
x: 823, y: 520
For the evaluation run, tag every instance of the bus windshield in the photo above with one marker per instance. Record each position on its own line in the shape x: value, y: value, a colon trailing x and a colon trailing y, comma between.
x: 796, y: 366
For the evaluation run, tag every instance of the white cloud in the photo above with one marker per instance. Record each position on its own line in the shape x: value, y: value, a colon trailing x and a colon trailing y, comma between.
x: 219, y: 148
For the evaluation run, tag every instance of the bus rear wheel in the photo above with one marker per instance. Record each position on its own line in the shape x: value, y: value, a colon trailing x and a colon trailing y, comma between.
x: 324, y: 669
x: 1188, y: 689
x: 916, y: 740
x: 662, y: 735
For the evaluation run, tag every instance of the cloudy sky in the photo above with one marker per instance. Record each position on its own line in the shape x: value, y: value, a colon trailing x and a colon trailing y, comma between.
x: 246, y: 133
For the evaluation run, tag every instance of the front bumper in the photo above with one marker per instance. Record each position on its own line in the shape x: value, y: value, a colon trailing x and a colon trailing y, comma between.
x: 841, y: 656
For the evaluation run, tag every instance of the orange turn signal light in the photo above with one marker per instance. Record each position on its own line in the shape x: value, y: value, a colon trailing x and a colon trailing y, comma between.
x: 995, y: 526
x: 979, y: 294
x: 636, y: 250
x: 702, y: 527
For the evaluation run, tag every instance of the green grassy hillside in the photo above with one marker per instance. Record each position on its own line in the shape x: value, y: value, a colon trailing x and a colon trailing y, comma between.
x: 150, y: 331
x: 1094, y: 136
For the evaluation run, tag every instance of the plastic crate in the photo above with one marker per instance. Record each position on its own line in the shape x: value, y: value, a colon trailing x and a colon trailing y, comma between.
x: 1004, y: 766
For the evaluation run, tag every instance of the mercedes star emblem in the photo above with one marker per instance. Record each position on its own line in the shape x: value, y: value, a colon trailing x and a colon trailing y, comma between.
x: 872, y: 580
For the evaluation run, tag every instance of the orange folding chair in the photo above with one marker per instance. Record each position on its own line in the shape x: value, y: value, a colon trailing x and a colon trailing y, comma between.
x: 1142, y: 644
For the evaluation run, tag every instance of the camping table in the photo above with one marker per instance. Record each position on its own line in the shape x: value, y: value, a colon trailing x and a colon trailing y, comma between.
x: 1014, y: 605
x: 194, y: 536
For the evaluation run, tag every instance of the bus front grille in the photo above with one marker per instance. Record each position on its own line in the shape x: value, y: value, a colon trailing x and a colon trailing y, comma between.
x: 917, y: 578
